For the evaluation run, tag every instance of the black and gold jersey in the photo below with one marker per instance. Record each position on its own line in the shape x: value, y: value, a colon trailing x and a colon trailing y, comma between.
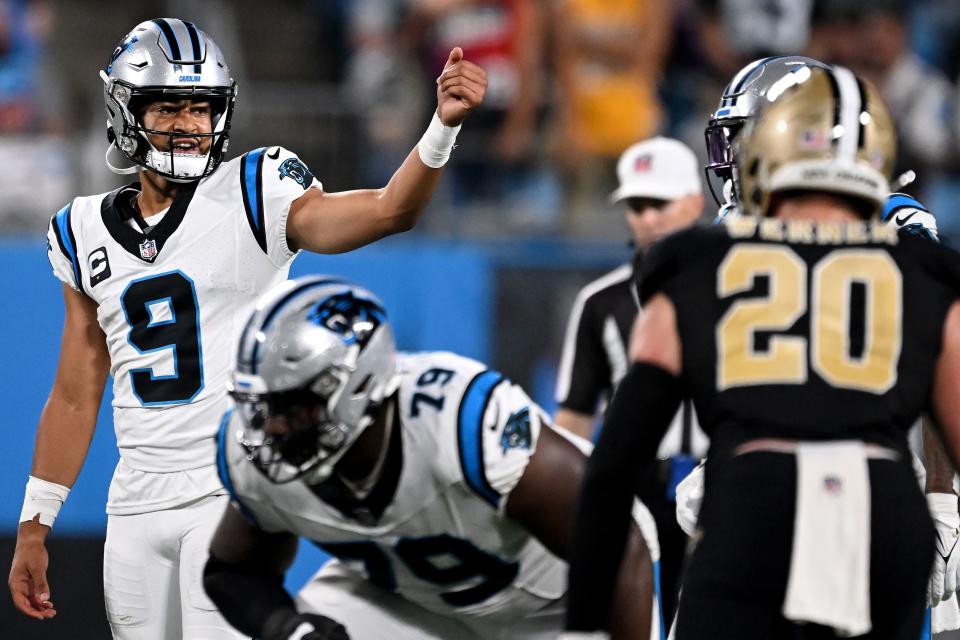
x: 805, y: 330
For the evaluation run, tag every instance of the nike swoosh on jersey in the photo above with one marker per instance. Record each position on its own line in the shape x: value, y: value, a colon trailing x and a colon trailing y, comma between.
x: 903, y: 220
x: 276, y: 154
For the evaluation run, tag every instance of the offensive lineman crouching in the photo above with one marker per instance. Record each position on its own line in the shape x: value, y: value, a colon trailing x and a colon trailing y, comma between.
x: 439, y: 487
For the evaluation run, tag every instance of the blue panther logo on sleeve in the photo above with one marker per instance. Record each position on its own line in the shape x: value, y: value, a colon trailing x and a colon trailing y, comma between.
x: 295, y: 169
x: 516, y: 435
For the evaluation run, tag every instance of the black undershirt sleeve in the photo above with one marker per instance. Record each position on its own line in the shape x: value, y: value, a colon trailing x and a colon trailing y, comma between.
x: 641, y: 411
x: 254, y: 602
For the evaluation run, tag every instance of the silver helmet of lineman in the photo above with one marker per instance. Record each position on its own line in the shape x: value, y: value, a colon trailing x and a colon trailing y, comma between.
x: 740, y: 100
x: 171, y: 59
x: 315, y: 362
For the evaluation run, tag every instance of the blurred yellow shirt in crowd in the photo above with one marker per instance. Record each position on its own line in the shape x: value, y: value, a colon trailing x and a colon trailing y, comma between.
x: 613, y: 99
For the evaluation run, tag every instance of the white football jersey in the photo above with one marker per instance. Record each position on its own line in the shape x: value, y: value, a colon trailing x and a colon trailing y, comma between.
x: 434, y: 529
x: 171, y: 303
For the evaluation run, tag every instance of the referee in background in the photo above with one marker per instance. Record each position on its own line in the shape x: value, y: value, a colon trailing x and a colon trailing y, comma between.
x: 661, y: 187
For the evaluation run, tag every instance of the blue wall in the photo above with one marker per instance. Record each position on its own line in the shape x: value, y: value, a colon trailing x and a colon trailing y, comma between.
x: 423, y: 286
x: 440, y: 295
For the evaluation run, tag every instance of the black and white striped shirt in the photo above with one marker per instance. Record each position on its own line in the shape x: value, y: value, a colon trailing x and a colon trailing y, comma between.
x: 594, y: 358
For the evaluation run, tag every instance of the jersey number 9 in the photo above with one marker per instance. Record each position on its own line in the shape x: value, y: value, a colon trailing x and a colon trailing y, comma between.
x: 163, y: 315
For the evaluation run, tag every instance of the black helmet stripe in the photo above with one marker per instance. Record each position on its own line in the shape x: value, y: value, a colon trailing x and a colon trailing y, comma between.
x: 864, y: 108
x: 835, y: 96
x: 195, y: 42
x: 171, y: 38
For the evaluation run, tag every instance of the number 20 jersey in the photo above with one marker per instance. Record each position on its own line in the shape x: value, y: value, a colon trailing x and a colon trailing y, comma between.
x: 171, y: 303
x: 438, y: 534
x: 803, y: 330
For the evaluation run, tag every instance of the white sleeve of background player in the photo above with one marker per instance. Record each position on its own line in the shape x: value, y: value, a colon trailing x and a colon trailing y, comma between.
x: 61, y: 251
x: 271, y: 179
x: 497, y: 430
x: 240, y: 478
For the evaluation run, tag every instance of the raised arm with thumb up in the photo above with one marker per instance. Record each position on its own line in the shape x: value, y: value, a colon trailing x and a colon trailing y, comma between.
x: 460, y: 88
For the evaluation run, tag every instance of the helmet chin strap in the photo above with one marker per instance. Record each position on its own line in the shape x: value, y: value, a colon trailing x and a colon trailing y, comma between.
x: 113, y: 163
x: 361, y: 489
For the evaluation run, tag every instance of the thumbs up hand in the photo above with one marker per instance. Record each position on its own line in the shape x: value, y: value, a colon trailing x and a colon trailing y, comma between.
x: 460, y: 88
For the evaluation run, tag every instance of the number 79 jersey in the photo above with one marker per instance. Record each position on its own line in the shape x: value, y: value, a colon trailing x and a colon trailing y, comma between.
x: 434, y: 529
x: 806, y: 330
x: 172, y: 301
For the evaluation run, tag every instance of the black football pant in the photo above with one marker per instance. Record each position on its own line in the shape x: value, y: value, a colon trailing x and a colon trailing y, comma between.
x: 736, y: 579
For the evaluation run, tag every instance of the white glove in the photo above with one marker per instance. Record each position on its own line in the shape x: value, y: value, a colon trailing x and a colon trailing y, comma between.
x: 945, y: 616
x: 584, y: 635
x: 946, y: 518
x: 690, y: 499
x: 905, y: 212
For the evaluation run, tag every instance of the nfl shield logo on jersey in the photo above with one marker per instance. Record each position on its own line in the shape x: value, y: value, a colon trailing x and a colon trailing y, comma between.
x: 833, y: 485
x: 148, y: 250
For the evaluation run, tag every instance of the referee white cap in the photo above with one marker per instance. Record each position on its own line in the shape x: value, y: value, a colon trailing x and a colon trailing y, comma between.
x: 661, y: 168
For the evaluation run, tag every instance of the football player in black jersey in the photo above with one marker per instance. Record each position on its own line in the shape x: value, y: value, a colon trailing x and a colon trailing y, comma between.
x: 810, y: 336
x: 741, y: 100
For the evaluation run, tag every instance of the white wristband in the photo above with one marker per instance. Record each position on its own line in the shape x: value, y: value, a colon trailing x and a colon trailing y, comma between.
x: 302, y: 629
x: 43, y: 498
x: 437, y: 143
x: 945, y: 503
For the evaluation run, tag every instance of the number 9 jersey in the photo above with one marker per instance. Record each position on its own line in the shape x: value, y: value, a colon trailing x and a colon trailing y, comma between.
x: 803, y: 330
x: 171, y: 299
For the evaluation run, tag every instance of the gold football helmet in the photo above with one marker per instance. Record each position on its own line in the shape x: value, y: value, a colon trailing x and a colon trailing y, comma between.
x: 818, y: 129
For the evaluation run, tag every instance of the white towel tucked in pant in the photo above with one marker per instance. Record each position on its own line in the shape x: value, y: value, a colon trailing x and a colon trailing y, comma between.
x: 829, y: 581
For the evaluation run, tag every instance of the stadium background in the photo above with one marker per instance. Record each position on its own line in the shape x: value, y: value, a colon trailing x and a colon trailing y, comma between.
x: 521, y: 221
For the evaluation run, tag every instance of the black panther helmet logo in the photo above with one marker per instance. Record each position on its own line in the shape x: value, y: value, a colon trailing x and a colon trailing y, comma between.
x: 295, y: 169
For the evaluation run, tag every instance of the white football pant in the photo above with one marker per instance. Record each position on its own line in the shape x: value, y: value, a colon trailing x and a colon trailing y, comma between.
x: 372, y: 613
x: 153, y: 574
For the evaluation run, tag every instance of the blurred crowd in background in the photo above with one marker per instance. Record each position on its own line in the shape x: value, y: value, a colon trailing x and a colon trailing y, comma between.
x: 348, y: 85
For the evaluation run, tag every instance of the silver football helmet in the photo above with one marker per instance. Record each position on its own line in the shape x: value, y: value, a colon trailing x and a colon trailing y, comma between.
x: 740, y: 101
x: 165, y: 59
x: 316, y: 360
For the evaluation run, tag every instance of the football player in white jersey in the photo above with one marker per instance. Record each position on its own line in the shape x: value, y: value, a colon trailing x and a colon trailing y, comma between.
x: 157, y: 277
x: 441, y: 489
